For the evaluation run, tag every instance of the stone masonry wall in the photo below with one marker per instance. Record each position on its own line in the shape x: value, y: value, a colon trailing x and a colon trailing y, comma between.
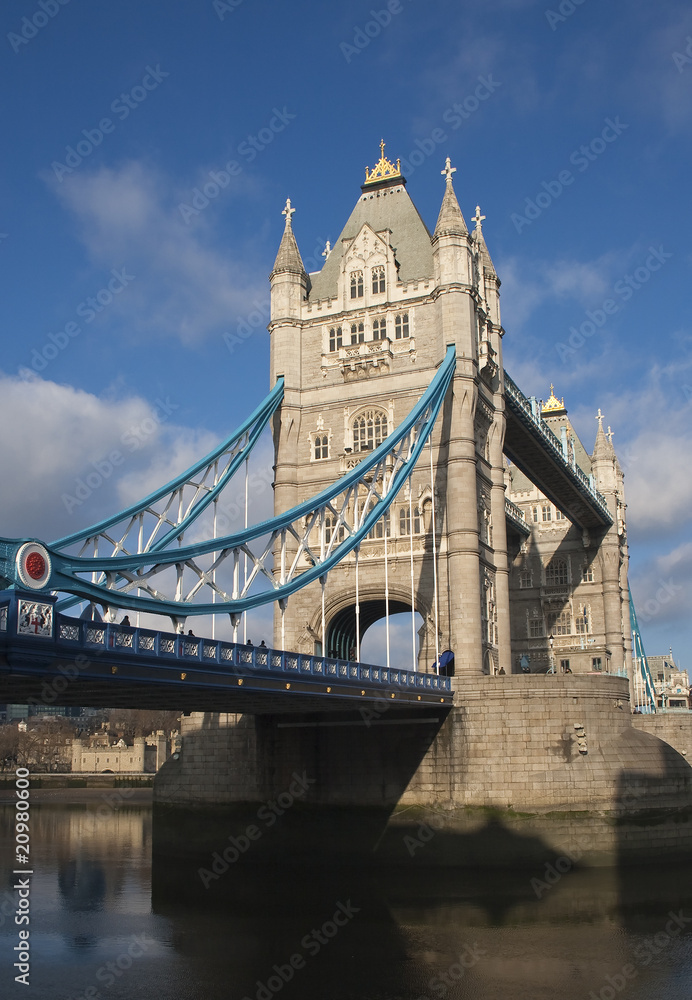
x: 510, y: 742
x: 674, y: 728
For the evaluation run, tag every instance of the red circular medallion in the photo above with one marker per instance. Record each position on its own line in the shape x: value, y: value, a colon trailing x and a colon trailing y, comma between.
x: 35, y: 565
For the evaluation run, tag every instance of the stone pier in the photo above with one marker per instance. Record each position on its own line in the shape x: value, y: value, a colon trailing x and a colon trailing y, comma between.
x: 523, y: 768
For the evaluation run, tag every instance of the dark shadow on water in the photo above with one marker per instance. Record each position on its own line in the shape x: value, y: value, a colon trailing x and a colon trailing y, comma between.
x: 654, y: 826
x: 409, y: 927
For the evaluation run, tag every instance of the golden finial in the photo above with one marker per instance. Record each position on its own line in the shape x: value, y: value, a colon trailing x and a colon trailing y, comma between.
x: 553, y: 404
x: 384, y: 169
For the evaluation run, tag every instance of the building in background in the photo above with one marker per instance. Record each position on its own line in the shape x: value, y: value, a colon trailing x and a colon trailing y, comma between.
x: 672, y: 684
x: 569, y: 599
x: 96, y: 755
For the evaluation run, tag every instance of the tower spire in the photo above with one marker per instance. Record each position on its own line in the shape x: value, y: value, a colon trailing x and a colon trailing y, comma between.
x: 479, y: 238
x: 450, y: 221
x: 288, y: 258
x: 603, y: 446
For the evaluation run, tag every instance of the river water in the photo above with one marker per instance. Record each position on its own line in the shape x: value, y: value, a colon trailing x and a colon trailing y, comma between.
x: 106, y: 923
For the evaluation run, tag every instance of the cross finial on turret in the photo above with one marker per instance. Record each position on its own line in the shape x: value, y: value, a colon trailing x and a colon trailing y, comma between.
x: 478, y: 219
x: 609, y: 435
x: 600, y: 417
x: 448, y: 170
x: 382, y: 145
x: 288, y: 211
x: 327, y: 250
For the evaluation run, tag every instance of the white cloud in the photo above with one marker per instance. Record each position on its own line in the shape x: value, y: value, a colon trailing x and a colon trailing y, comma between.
x: 659, y: 478
x: 662, y: 587
x: 183, y: 287
x: 61, y: 473
x: 653, y: 441
x: 74, y: 458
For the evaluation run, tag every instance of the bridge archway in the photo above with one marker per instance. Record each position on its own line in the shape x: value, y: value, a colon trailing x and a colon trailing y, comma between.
x: 341, y: 631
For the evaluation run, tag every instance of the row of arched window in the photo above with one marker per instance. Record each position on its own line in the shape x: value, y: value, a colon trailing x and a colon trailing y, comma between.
x: 556, y: 574
x: 378, y: 279
x: 559, y: 622
x: 384, y: 525
x: 546, y: 512
x: 355, y: 334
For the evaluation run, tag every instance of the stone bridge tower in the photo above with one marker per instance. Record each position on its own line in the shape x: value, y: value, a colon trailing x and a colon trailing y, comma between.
x: 357, y: 344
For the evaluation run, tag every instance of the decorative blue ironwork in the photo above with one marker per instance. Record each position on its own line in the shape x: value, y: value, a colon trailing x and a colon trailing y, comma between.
x: 641, y: 664
x: 293, y: 550
x: 33, y: 637
x: 203, y: 478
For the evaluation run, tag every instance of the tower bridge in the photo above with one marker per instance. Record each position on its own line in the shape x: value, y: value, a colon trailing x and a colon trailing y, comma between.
x: 411, y: 475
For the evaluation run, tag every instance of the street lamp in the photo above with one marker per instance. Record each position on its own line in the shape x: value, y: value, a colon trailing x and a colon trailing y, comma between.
x: 551, y: 640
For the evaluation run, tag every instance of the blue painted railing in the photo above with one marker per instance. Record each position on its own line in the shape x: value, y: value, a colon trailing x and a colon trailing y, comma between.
x: 529, y: 412
x: 189, y: 649
x: 31, y: 627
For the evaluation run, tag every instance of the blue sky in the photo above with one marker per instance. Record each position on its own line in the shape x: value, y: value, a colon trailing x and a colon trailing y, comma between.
x: 570, y: 124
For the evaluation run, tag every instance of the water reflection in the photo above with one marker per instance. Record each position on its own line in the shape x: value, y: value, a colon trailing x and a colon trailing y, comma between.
x: 82, y: 884
x: 334, y: 934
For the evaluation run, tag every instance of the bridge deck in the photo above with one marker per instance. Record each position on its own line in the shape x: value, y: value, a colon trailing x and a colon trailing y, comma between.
x: 50, y: 658
x: 533, y: 448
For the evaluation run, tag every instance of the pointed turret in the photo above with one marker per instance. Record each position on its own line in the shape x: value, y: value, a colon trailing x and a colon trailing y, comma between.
x: 451, y: 242
x: 289, y: 289
x: 479, y: 239
x: 450, y: 221
x: 288, y: 258
x: 603, y: 448
x: 604, y: 464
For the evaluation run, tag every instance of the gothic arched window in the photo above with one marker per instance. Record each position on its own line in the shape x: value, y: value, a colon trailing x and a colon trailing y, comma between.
x: 335, y: 338
x: 331, y: 532
x: 369, y: 430
x: 401, y: 326
x: 560, y: 622
x: 583, y: 619
x: 356, y: 284
x: 321, y: 446
x: 379, y: 329
x: 378, y: 280
x: 357, y: 333
x: 382, y: 526
x: 556, y: 573
x: 405, y: 521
